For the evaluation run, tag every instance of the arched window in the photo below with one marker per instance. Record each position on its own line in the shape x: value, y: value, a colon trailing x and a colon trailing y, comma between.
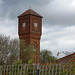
x: 33, y: 60
x: 34, y: 47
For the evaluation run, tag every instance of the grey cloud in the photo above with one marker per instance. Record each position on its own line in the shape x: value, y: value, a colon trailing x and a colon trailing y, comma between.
x: 52, y: 15
x: 12, y: 8
x: 41, y: 2
x: 9, y: 27
x: 61, y: 40
x: 56, y: 32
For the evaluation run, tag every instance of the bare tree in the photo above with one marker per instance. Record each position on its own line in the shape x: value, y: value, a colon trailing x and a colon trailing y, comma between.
x: 9, y: 50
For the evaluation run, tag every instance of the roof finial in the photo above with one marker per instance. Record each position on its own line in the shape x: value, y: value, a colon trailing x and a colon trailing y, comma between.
x: 30, y: 7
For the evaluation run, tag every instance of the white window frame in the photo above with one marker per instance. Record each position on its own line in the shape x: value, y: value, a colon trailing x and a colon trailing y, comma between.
x: 24, y: 24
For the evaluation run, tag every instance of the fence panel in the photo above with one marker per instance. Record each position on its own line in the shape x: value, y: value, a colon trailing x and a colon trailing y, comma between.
x: 37, y: 69
x: 58, y: 69
x: 0, y: 70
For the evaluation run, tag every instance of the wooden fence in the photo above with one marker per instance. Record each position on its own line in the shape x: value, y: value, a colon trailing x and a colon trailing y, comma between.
x: 37, y: 69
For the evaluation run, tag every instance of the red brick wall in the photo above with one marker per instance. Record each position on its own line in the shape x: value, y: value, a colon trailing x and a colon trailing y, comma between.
x: 31, y: 34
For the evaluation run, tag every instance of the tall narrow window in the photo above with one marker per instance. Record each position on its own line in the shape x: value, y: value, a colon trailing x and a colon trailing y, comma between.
x: 33, y: 60
x: 33, y: 47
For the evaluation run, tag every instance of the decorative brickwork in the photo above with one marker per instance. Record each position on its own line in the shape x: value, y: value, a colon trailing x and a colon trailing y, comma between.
x: 30, y: 30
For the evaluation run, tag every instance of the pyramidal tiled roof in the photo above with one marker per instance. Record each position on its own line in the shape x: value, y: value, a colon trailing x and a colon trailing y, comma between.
x: 67, y: 59
x: 30, y: 12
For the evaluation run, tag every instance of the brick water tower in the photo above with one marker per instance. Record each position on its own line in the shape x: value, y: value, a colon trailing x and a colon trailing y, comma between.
x: 30, y: 30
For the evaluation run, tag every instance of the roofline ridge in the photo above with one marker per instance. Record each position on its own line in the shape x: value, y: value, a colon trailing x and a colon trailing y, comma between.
x: 71, y: 58
x: 30, y: 11
x: 67, y: 56
x: 30, y: 14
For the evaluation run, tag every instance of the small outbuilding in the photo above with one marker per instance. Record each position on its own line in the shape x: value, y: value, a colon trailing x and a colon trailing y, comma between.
x: 67, y: 59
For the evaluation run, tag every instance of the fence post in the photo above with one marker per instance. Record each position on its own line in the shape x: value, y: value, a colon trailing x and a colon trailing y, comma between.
x: 38, y: 66
x: 0, y: 70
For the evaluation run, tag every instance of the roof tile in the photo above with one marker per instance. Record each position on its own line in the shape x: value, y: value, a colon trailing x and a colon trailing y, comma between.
x: 30, y: 12
x: 67, y: 59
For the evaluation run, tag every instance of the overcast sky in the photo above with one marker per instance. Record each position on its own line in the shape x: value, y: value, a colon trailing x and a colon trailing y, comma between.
x: 58, y: 31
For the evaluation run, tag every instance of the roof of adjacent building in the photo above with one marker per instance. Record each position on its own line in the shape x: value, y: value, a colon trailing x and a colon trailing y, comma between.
x: 67, y: 59
x: 30, y: 12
